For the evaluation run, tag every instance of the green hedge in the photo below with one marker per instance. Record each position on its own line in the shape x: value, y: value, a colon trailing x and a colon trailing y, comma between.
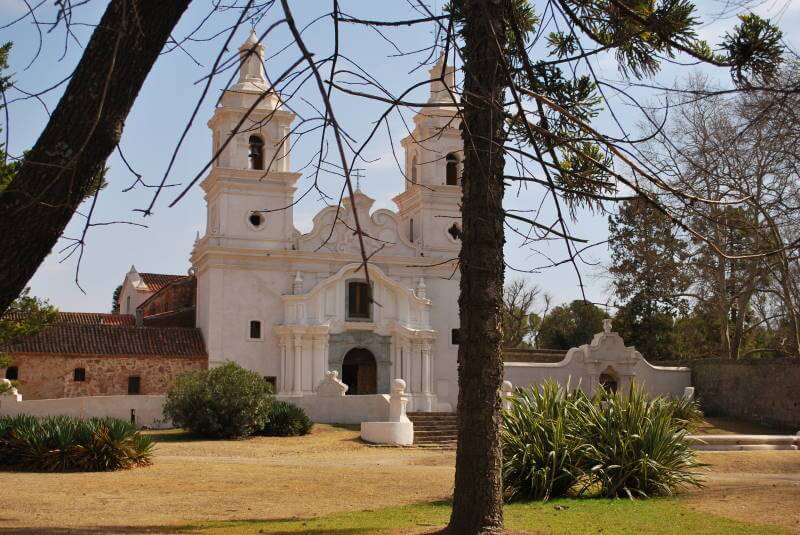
x: 67, y: 444
x: 287, y: 420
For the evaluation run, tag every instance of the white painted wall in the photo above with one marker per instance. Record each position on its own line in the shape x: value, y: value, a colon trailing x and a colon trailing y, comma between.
x: 149, y: 409
x: 343, y: 409
x: 582, y: 366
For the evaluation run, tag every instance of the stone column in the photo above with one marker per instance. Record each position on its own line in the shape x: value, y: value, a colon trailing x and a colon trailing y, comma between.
x: 298, y: 359
x: 426, y: 367
x: 284, y: 370
x: 406, y: 365
x: 318, y: 361
x: 412, y: 365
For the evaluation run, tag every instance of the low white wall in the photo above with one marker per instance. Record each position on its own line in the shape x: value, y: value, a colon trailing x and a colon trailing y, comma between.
x: 149, y: 409
x: 343, y: 409
x: 656, y: 380
x: 663, y: 380
x: 397, y: 433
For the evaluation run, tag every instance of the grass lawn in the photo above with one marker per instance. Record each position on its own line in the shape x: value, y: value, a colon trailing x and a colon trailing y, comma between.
x: 609, y: 517
x: 330, y: 482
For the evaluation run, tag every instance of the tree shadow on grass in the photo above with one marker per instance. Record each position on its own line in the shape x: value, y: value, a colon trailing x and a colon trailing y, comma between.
x: 173, y: 435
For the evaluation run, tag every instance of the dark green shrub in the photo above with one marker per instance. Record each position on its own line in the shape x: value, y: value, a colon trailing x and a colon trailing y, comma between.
x: 635, y: 447
x: 64, y: 443
x: 287, y: 420
x: 542, y: 442
x: 223, y: 402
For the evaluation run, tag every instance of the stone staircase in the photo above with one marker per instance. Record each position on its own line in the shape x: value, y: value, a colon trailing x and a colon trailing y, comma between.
x: 434, y: 429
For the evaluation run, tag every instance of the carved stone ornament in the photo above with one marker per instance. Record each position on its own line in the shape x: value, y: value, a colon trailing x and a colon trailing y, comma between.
x: 331, y: 386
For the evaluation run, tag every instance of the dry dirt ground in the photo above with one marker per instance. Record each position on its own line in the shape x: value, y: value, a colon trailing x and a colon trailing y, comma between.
x: 329, y: 471
x: 754, y: 486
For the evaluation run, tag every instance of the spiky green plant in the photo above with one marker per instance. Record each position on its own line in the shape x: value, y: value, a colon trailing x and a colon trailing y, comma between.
x: 543, y: 442
x: 64, y: 444
x: 557, y: 441
x: 635, y: 448
x: 686, y: 413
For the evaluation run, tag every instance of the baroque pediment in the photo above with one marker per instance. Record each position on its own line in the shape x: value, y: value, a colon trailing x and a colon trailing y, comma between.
x: 334, y: 231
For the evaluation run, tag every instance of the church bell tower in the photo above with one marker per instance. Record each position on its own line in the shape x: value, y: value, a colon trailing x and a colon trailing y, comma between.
x: 249, y: 190
x: 430, y: 205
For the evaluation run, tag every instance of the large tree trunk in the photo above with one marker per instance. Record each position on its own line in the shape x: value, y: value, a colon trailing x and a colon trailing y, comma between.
x: 85, y: 127
x: 477, y: 498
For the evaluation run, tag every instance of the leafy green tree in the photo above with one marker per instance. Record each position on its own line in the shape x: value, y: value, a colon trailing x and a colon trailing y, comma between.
x: 651, y: 331
x: 571, y: 325
x: 26, y: 316
x: 115, y: 300
x: 650, y: 278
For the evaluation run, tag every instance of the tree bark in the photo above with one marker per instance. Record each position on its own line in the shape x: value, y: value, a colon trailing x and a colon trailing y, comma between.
x: 85, y: 127
x: 477, y: 497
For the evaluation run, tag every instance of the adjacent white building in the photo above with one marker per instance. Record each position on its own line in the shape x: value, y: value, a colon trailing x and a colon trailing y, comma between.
x: 293, y: 306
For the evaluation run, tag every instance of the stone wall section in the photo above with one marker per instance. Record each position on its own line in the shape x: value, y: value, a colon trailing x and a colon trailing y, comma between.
x: 766, y: 392
x: 47, y: 376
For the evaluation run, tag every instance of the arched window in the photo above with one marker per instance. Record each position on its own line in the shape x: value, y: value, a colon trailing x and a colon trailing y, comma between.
x: 414, y: 169
x: 452, y: 170
x: 256, y: 155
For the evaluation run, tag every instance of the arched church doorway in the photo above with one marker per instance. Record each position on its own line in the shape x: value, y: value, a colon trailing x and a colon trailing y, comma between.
x: 360, y: 372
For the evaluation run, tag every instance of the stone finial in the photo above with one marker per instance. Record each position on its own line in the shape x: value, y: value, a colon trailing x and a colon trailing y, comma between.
x: 398, y: 386
x: 422, y: 289
x: 607, y: 325
x: 398, y: 402
x: 331, y: 386
x: 297, y: 284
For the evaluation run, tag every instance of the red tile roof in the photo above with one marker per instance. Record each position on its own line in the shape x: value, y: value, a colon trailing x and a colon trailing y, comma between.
x: 83, y: 318
x: 156, y: 281
x: 113, y: 340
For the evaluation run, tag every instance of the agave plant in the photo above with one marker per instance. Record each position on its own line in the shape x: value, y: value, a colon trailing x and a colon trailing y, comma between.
x: 62, y: 443
x: 543, y: 445
x: 635, y: 448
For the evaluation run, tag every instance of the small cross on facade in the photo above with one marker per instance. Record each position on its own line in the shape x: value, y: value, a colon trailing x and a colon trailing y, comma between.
x: 358, y: 174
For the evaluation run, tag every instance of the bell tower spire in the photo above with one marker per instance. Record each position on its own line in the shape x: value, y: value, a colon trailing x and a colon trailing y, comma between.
x: 251, y: 63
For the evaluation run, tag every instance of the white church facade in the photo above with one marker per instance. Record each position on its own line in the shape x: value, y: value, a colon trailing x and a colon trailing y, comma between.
x: 293, y: 306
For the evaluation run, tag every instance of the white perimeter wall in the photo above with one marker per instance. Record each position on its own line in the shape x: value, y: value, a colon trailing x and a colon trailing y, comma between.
x: 343, y: 409
x: 656, y: 380
x: 148, y: 408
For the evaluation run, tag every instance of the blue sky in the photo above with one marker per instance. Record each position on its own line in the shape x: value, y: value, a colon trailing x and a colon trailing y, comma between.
x: 170, y: 93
